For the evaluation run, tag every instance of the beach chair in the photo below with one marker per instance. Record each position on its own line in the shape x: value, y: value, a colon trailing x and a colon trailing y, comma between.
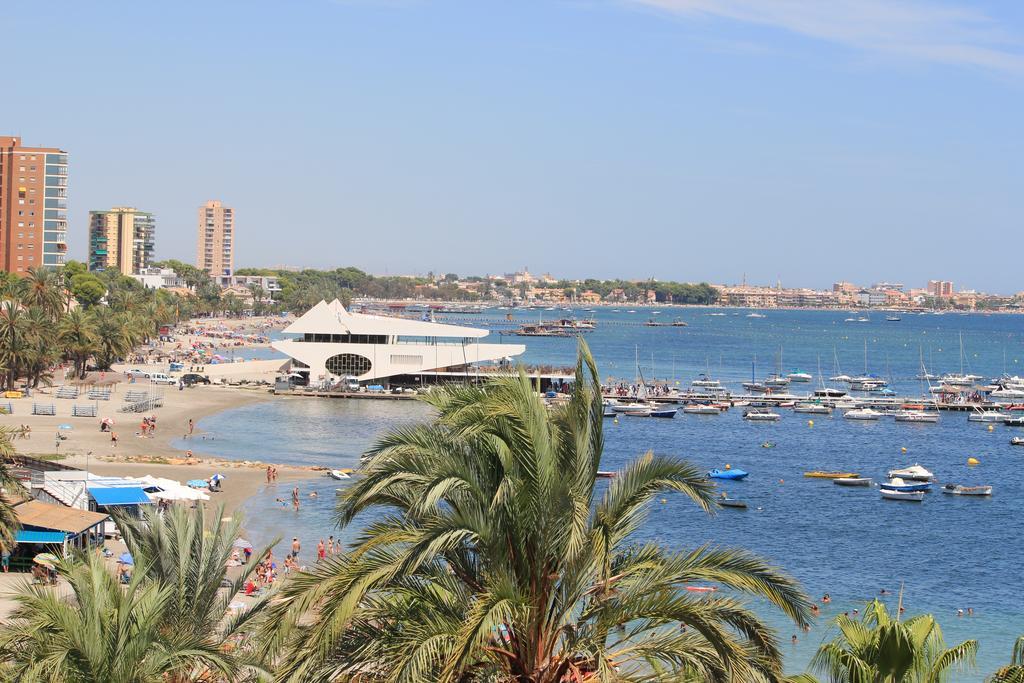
x: 44, y: 409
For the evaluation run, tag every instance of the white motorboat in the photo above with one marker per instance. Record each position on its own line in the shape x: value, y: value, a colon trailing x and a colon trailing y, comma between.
x: 852, y: 481
x: 921, y: 416
x: 957, y: 380
x: 911, y: 496
x: 776, y: 382
x: 958, y: 490
x: 701, y: 409
x: 862, y: 414
x: 914, y: 473
x: 980, y: 415
x: 340, y: 474
x: 800, y: 376
x: 755, y: 315
x: 1006, y: 394
x: 840, y: 378
x: 760, y: 415
x: 812, y: 408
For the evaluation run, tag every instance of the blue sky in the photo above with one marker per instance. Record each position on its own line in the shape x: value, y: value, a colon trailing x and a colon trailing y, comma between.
x: 676, y: 139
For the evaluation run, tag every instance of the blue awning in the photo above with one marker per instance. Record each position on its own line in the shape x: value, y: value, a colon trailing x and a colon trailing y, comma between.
x: 28, y: 536
x: 119, y: 495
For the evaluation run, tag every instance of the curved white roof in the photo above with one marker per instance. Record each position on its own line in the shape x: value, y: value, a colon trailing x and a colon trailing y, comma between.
x: 332, y: 318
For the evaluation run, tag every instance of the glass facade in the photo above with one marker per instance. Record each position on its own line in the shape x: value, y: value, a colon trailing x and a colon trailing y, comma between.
x: 345, y: 364
x: 55, y: 213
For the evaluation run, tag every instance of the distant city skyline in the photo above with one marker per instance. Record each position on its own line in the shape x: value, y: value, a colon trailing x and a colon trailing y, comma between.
x: 695, y: 140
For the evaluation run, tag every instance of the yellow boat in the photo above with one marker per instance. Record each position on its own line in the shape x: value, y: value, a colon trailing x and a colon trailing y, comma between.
x: 818, y: 474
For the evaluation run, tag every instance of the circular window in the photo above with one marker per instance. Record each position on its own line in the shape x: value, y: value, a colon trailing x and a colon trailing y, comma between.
x: 345, y: 364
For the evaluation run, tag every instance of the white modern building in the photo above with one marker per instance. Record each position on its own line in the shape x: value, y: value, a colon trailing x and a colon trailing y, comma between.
x: 330, y: 343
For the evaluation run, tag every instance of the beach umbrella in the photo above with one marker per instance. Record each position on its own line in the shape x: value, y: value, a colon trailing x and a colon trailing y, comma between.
x: 46, y: 559
x: 241, y: 543
x: 125, y: 558
x: 107, y: 421
x: 217, y: 477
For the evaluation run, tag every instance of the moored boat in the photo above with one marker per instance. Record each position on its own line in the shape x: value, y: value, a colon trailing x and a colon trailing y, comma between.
x: 916, y: 415
x: 1017, y: 441
x: 701, y: 409
x: 898, y: 484
x: 820, y: 474
x: 340, y: 474
x: 732, y: 503
x: 862, y: 414
x: 758, y: 415
x: 799, y: 376
x: 958, y: 490
x: 852, y: 481
x: 911, y: 496
x: 728, y: 473
x: 913, y: 473
x: 812, y: 408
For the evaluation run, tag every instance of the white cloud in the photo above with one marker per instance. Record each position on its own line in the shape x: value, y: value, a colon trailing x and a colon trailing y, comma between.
x: 922, y: 30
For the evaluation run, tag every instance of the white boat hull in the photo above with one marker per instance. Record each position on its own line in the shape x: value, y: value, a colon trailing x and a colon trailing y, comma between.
x: 911, y: 496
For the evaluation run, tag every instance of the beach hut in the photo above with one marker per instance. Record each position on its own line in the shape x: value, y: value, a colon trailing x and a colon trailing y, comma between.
x: 46, y: 524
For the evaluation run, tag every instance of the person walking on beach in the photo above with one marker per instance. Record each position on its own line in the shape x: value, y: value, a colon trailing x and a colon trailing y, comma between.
x: 330, y: 544
x: 321, y: 552
x: 296, y: 547
x: 191, y: 426
x: 295, y: 498
x: 113, y: 438
x: 270, y: 473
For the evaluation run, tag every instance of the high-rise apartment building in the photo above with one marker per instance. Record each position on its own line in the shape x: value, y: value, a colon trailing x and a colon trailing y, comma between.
x: 33, y: 206
x: 122, y: 238
x: 215, y: 250
x: 940, y: 289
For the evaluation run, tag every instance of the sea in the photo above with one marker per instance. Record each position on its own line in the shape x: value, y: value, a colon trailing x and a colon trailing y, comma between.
x: 946, y: 554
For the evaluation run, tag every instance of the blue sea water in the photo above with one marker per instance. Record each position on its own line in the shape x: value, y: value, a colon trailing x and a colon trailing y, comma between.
x: 948, y: 552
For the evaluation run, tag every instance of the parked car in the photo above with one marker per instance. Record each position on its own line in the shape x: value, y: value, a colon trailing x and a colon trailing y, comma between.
x: 160, y: 378
x: 136, y: 372
x: 191, y: 378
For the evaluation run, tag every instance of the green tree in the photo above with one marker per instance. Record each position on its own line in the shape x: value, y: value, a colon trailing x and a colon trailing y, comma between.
x: 87, y: 289
x: 10, y: 487
x: 104, y: 632
x: 1014, y: 671
x: 77, y: 334
x: 495, y: 557
x: 880, y: 648
x: 43, y: 287
x: 185, y: 552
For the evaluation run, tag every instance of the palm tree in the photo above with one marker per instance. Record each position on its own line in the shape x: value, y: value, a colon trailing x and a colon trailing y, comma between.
x: 14, y: 348
x: 491, y: 556
x: 105, y: 632
x: 43, y: 287
x: 187, y: 553
x: 114, y: 339
x: 77, y: 334
x: 9, y: 488
x: 879, y: 648
x: 1014, y: 671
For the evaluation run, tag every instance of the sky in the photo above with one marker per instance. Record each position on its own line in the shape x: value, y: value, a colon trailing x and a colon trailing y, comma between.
x: 696, y: 140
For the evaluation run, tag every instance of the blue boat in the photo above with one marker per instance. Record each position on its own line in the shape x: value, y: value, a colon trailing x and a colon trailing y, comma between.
x: 897, y: 484
x: 727, y: 474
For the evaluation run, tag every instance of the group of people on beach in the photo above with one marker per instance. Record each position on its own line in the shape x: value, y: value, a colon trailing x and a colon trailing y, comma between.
x: 148, y: 426
x: 271, y: 474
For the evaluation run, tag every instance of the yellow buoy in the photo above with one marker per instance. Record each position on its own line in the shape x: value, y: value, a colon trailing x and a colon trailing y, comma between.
x: 991, y: 427
x: 810, y: 423
x: 973, y: 461
x: 728, y: 466
x: 903, y: 450
x: 615, y: 420
x: 663, y: 501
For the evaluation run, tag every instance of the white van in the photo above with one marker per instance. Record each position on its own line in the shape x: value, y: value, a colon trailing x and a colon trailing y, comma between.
x: 160, y: 378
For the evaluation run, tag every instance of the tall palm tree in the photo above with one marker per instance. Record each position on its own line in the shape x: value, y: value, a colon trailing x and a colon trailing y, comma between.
x: 879, y: 648
x: 77, y: 335
x: 114, y: 339
x: 10, y: 488
x: 14, y: 347
x: 187, y: 552
x: 104, y: 632
x: 1014, y: 671
x: 495, y: 554
x: 43, y: 287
